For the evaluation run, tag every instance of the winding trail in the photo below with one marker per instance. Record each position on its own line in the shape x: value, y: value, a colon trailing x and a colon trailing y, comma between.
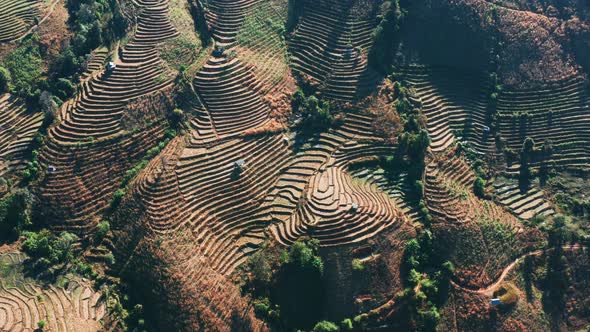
x: 36, y: 26
x: 488, y: 290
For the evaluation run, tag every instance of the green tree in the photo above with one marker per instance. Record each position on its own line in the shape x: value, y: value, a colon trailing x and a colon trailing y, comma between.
x: 15, y: 213
x: 357, y: 265
x: 4, y: 80
x: 387, y: 37
x: 300, y: 286
x: 479, y: 187
x: 102, y: 229
x: 346, y: 325
x: 325, y: 326
x: 427, y: 319
x: 64, y: 88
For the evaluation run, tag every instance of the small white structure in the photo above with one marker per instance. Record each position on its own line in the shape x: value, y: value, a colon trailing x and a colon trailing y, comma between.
x: 240, y: 163
x: 495, y: 302
x: 354, y: 206
x: 51, y: 169
x: 111, y: 66
x: 486, y: 129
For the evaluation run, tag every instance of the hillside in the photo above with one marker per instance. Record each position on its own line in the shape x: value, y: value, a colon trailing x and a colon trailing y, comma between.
x: 294, y: 165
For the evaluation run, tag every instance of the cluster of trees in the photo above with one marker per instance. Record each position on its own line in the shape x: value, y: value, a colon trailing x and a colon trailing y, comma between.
x: 492, y: 107
x: 52, y: 255
x: 413, y: 142
x: 15, y: 213
x: 5, y: 79
x: 22, y: 74
x: 94, y: 23
x: 556, y: 281
x: 47, y: 249
x: 528, y: 153
x: 289, y: 292
x: 426, y: 281
x: 387, y: 37
x: 316, y: 114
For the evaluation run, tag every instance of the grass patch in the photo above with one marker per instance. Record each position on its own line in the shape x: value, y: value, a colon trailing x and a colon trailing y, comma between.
x: 180, y: 52
x: 25, y: 66
x: 262, y: 40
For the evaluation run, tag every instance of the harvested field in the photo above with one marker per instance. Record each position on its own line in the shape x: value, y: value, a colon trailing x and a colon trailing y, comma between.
x: 328, y: 47
x: 17, y: 130
x: 24, y: 303
x: 16, y: 16
x: 226, y: 150
x: 110, y: 124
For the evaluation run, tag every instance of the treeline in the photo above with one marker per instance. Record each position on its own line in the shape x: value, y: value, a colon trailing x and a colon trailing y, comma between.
x: 316, y: 115
x: 288, y: 287
x: 413, y: 143
x: 387, y: 37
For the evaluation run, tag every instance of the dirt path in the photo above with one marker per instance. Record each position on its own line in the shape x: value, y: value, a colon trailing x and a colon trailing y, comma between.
x: 36, y: 26
x: 488, y: 290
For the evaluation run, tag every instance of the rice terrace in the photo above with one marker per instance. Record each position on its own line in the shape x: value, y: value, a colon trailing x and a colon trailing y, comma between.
x: 295, y: 165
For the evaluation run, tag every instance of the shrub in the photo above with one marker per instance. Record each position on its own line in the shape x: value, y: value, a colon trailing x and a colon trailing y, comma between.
x: 64, y: 88
x: 357, y: 265
x: 102, y: 229
x: 479, y: 187
x: 41, y: 324
x: 4, y: 80
x: 110, y: 259
x: 346, y: 325
x: 48, y: 249
x: 325, y: 326
x: 117, y: 197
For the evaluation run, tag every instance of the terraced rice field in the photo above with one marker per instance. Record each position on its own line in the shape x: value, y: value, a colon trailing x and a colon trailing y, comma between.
x: 261, y: 43
x: 17, y: 129
x: 328, y: 46
x: 231, y: 86
x: 23, y: 303
x: 229, y: 209
x: 16, y: 16
x: 228, y: 185
x: 454, y: 106
x: 524, y: 205
x: 559, y: 113
x: 115, y: 118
